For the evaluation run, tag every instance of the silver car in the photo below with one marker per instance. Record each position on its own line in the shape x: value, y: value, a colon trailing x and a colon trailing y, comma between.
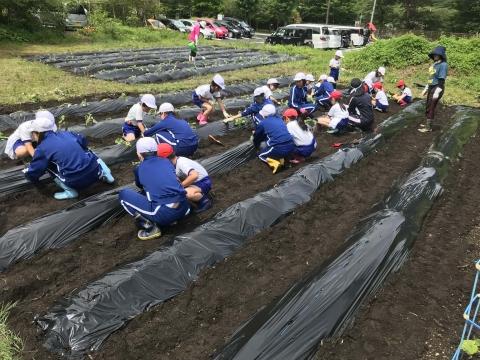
x: 76, y: 18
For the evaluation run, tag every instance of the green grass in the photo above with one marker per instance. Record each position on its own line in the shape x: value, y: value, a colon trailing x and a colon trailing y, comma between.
x: 23, y: 82
x: 10, y: 344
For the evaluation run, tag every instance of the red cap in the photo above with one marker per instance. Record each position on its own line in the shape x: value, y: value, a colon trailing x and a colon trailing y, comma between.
x: 337, y: 95
x: 290, y: 113
x: 164, y: 150
x: 378, y: 85
x: 400, y: 83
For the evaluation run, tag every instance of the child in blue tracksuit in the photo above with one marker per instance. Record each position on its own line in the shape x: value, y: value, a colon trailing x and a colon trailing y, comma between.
x: 66, y: 157
x: 162, y: 200
x: 272, y: 137
x: 298, y: 96
x: 173, y: 131
x: 322, y: 92
x: 259, y: 101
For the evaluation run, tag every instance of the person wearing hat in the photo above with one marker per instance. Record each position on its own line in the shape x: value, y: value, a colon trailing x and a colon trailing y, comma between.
x: 405, y: 97
x: 272, y: 85
x: 193, y: 37
x: 19, y: 143
x: 259, y: 101
x: 66, y: 157
x: 374, y: 76
x: 360, y: 106
x: 436, y: 85
x: 337, y: 117
x: 298, y: 96
x: 309, y: 83
x: 173, y: 131
x: 335, y: 64
x: 193, y: 177
x: 323, y: 89
x: 305, y: 142
x: 272, y: 137
x: 380, y: 102
x: 205, y: 95
x: 133, y: 126
x: 162, y: 200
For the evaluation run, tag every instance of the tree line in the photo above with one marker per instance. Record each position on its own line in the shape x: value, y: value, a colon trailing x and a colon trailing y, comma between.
x: 428, y: 15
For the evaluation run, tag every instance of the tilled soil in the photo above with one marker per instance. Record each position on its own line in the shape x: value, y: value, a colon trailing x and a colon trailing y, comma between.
x: 418, y: 314
x: 36, y: 284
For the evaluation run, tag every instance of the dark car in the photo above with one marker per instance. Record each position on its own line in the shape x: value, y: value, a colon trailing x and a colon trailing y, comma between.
x: 288, y: 36
x: 231, y: 24
x: 233, y: 31
x: 249, y: 31
x: 173, y: 24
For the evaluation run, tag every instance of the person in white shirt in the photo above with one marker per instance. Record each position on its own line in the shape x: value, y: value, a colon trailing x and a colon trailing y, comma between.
x: 337, y: 117
x: 133, y: 127
x: 335, y: 64
x: 309, y: 83
x: 305, y: 142
x: 405, y: 97
x: 272, y: 85
x: 374, y: 77
x: 380, y: 102
x: 19, y: 143
x: 204, y: 97
x: 192, y: 176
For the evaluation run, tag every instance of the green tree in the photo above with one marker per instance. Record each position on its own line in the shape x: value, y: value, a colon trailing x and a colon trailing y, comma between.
x: 28, y: 14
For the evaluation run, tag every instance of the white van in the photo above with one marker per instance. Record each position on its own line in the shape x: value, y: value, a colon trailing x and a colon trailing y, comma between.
x: 320, y: 36
x: 356, y: 35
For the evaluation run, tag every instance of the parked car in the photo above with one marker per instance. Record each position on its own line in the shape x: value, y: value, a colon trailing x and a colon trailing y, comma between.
x: 176, y: 25
x: 205, y: 32
x: 155, y: 24
x: 221, y: 32
x: 249, y: 31
x: 287, y: 36
x: 233, y: 31
x: 76, y: 18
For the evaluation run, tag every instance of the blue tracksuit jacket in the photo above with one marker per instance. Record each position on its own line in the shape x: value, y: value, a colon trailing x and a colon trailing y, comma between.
x: 273, y: 131
x: 254, y: 109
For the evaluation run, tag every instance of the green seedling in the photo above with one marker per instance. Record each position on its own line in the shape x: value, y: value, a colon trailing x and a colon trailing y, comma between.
x: 3, y: 136
x: 122, y: 141
x: 62, y: 122
x: 471, y: 347
x: 89, y: 120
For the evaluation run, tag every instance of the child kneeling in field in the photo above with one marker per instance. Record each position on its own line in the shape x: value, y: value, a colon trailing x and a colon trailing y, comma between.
x: 337, y: 117
x: 204, y: 95
x: 380, y: 102
x: 193, y: 177
x: 133, y: 127
x: 305, y: 142
x: 405, y: 97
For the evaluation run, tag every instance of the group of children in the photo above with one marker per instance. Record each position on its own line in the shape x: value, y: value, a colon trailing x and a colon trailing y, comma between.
x: 171, y: 184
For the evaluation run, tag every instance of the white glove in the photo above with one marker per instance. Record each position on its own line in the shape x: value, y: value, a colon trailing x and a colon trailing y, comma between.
x: 437, y: 92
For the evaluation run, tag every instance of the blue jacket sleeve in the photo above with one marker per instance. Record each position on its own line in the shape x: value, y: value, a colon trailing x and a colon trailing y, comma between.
x: 252, y: 109
x: 37, y: 167
x: 154, y: 129
x: 258, y: 135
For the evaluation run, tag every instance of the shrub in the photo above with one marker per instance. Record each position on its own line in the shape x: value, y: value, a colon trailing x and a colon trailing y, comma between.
x: 463, y: 54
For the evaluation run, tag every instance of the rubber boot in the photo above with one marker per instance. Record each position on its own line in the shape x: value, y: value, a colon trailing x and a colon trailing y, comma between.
x: 67, y: 193
x: 106, y: 175
x: 274, y: 164
x: 150, y: 234
x: 202, y: 119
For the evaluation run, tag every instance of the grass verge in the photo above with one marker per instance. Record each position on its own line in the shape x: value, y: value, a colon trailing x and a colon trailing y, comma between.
x: 10, y: 344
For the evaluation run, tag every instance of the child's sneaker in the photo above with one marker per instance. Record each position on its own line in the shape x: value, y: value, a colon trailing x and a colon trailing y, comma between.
x: 150, y: 234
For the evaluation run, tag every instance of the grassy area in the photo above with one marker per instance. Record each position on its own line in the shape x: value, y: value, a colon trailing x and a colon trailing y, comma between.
x: 22, y: 81
x: 10, y: 344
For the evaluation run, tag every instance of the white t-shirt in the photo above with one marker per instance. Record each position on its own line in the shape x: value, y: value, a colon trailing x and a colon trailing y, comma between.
x: 23, y: 133
x: 300, y: 136
x: 407, y: 92
x: 381, y: 97
x: 135, y: 114
x: 185, y: 165
x: 337, y: 114
x: 334, y: 63
x: 372, y: 78
x: 267, y: 92
x: 204, y: 92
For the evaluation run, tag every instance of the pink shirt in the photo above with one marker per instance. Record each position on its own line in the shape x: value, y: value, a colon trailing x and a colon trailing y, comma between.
x: 195, y: 33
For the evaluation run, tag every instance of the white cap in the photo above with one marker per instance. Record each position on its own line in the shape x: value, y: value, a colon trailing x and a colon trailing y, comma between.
x: 45, y: 114
x: 203, y: 23
x: 166, y: 107
x: 149, y: 100
x: 309, y: 77
x: 299, y: 76
x: 381, y: 70
x: 272, y: 81
x: 218, y: 79
x: 339, y: 53
x: 42, y: 124
x: 146, y: 144
x: 268, y: 110
x: 330, y: 79
x: 259, y: 91
x: 323, y: 77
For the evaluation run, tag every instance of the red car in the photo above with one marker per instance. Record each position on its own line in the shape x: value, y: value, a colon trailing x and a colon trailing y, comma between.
x: 221, y: 32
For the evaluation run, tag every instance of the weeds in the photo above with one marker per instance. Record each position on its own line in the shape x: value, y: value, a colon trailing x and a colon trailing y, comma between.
x: 10, y: 344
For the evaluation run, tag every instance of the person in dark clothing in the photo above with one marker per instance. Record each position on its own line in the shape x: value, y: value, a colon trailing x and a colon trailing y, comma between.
x: 360, y: 106
x: 436, y: 85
